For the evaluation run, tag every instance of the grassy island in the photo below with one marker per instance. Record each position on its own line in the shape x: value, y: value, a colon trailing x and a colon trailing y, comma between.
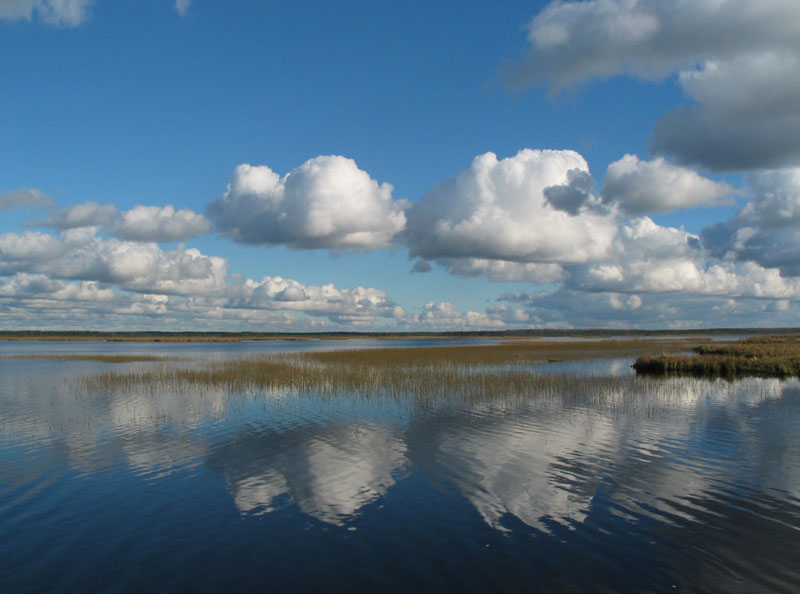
x: 763, y: 356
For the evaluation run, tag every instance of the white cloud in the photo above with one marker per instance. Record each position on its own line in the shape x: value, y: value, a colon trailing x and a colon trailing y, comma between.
x: 777, y: 199
x: 160, y: 224
x: 444, y: 316
x: 497, y: 210
x: 357, y: 306
x: 59, y: 13
x: 24, y: 198
x: 143, y: 267
x: 767, y: 229
x: 649, y: 258
x: 658, y: 186
x: 505, y: 271
x: 326, y: 203
x: 738, y: 60
x: 88, y: 214
x: 576, y: 41
x: 141, y: 279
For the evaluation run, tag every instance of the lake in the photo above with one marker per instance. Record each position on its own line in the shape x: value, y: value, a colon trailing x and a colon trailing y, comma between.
x: 622, y: 484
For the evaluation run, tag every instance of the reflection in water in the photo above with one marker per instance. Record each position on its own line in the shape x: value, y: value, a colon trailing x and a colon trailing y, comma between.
x: 511, y: 464
x: 639, y: 485
x: 330, y: 472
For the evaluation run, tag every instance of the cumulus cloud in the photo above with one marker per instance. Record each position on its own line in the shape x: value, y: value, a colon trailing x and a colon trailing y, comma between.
x: 88, y: 214
x: 658, y: 186
x: 181, y: 288
x: 326, y: 203
x: 767, y: 229
x: 498, y: 210
x: 160, y: 224
x: 444, y: 316
x: 142, y: 267
x: 357, y: 306
x: 745, y: 114
x: 575, y: 41
x: 504, y: 271
x: 24, y: 198
x: 738, y: 61
x: 654, y: 259
x: 58, y: 13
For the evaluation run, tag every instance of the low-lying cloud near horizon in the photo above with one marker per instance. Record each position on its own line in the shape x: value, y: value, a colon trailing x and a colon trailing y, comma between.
x: 531, y: 218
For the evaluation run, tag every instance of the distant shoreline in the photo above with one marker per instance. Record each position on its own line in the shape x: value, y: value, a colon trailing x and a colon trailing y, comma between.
x: 100, y: 336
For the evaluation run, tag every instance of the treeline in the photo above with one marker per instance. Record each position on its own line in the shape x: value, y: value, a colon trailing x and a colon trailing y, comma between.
x: 519, y: 333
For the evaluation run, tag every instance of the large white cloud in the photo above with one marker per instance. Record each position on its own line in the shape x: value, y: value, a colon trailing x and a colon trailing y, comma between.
x: 658, y: 186
x: 499, y: 210
x: 326, y: 203
x: 59, y: 13
x: 160, y: 224
x: 739, y: 61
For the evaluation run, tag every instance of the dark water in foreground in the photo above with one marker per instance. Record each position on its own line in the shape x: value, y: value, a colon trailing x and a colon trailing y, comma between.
x: 677, y: 486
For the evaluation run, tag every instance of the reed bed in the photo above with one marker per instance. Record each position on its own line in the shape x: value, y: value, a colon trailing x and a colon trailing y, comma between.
x: 467, y: 372
x: 759, y: 357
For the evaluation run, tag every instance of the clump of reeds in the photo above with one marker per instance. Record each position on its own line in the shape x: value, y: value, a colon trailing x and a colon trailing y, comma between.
x: 762, y: 357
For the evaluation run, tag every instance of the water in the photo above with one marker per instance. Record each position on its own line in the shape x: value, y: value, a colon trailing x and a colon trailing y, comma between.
x: 682, y: 485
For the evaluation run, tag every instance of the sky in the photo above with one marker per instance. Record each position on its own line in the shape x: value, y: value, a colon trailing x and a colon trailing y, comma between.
x: 372, y: 166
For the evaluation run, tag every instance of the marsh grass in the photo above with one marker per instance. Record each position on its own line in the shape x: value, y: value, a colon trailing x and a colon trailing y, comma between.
x: 466, y: 372
x: 766, y: 356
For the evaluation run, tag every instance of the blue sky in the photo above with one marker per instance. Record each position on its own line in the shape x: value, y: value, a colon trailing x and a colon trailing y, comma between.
x: 356, y: 166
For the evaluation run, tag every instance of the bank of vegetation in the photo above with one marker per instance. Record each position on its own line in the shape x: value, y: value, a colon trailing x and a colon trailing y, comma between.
x: 767, y: 356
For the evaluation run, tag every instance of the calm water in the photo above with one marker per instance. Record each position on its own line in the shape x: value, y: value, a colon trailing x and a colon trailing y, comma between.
x: 678, y: 486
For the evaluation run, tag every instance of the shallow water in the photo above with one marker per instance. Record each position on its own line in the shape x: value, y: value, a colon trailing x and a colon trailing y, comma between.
x: 678, y: 485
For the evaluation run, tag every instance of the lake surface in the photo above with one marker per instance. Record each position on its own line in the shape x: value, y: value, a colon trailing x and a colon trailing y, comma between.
x: 680, y: 485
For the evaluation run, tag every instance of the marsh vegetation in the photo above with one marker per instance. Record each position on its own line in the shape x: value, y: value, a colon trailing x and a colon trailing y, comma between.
x: 509, y: 367
x: 769, y: 356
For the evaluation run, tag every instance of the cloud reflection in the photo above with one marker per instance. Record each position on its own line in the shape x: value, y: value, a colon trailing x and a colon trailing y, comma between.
x: 330, y: 471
